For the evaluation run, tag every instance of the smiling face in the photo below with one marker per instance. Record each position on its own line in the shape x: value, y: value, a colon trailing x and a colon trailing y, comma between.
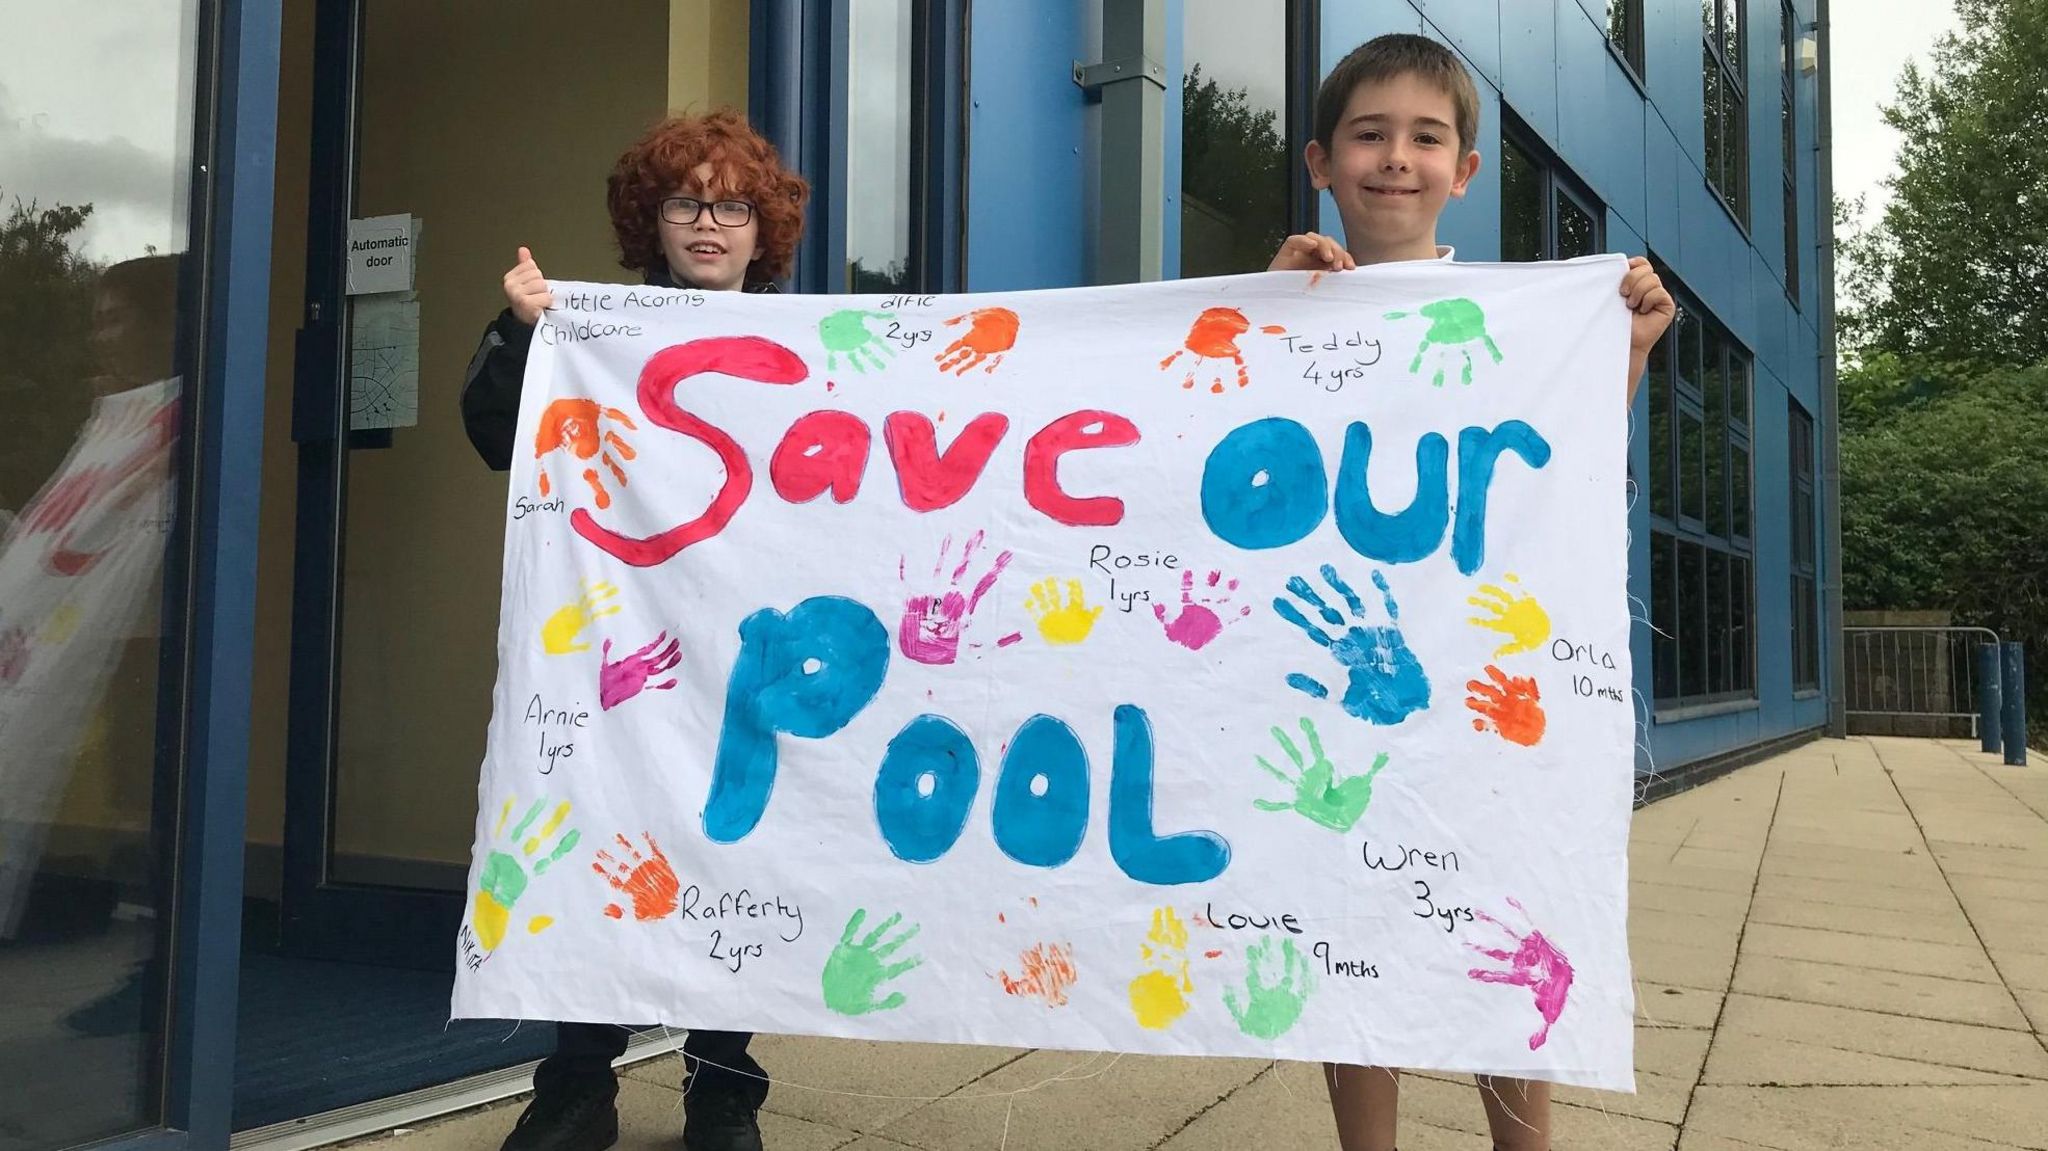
x: 1393, y: 162
x: 705, y: 253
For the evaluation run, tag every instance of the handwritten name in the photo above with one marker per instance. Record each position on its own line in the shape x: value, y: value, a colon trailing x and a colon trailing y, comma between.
x: 523, y: 507
x: 1237, y: 921
x: 1404, y: 856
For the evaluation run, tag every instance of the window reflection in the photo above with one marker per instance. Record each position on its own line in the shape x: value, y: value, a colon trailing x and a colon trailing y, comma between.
x: 1235, y: 159
x: 878, y: 169
x: 93, y: 178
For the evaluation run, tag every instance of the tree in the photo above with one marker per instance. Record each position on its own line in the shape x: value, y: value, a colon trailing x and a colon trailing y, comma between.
x: 46, y: 301
x: 1234, y: 167
x: 1957, y: 267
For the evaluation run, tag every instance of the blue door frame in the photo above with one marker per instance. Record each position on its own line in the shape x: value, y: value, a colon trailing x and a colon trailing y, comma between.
x: 211, y: 567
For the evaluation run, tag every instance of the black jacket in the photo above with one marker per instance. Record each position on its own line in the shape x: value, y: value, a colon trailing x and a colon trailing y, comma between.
x: 490, y: 391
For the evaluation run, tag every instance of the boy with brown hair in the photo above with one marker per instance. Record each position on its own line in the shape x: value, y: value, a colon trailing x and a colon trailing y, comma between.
x: 1395, y: 128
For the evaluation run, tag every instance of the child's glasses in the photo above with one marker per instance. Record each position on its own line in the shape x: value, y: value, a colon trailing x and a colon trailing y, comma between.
x: 725, y: 213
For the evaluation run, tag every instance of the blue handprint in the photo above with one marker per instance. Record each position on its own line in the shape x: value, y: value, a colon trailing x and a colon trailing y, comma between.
x: 1387, y: 683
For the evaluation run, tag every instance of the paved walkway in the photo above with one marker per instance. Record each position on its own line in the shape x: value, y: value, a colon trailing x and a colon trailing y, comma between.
x: 1842, y: 947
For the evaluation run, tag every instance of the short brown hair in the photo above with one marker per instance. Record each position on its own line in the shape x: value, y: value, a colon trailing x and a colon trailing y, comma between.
x: 747, y: 165
x: 1399, y: 54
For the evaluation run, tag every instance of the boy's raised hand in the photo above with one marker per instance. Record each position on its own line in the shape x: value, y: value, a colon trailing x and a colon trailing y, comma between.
x: 1651, y: 310
x: 1311, y: 252
x: 526, y: 290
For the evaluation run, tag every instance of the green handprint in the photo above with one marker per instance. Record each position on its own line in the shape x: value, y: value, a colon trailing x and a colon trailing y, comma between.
x: 854, y: 972
x: 504, y: 879
x: 847, y: 332
x: 1317, y: 794
x: 1270, y: 1009
x: 1453, y: 324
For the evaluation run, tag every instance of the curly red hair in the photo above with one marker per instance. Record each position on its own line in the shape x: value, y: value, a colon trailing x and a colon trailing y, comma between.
x: 747, y: 166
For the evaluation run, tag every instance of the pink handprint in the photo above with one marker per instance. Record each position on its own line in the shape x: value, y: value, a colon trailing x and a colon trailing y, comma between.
x: 621, y: 681
x: 1199, y: 620
x: 932, y: 624
x: 1536, y: 964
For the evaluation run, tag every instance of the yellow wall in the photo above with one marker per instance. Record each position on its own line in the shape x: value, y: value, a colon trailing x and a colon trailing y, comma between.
x: 493, y: 142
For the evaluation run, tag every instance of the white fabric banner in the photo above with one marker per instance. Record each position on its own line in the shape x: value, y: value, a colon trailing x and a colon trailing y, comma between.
x: 1225, y: 667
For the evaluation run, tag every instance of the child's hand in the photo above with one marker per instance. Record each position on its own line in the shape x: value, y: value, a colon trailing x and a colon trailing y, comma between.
x: 1652, y: 310
x: 1311, y: 252
x: 526, y: 290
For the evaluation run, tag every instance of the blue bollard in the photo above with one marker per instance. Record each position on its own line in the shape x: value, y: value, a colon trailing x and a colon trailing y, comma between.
x: 2014, y: 713
x: 1988, y: 695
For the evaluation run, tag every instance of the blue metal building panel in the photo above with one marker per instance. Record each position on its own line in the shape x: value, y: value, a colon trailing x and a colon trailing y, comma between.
x: 1028, y: 180
x: 1662, y: 162
x: 1529, y: 72
x: 1472, y: 28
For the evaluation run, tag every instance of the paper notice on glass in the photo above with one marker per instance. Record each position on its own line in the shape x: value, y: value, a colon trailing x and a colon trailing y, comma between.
x: 384, y: 361
x: 380, y: 254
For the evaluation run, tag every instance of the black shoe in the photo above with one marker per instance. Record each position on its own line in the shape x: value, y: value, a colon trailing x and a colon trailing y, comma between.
x: 568, y: 1118
x: 715, y: 1120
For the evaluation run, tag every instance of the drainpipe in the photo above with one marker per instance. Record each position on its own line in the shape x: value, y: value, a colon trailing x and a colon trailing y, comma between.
x: 1830, y: 407
x: 1131, y: 83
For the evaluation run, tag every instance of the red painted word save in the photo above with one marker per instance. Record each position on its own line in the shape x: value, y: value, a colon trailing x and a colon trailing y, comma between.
x: 827, y: 451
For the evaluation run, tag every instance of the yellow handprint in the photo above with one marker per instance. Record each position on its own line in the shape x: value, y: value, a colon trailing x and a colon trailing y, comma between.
x: 558, y: 635
x: 1159, y: 995
x: 504, y: 877
x: 1063, y: 623
x: 1515, y: 615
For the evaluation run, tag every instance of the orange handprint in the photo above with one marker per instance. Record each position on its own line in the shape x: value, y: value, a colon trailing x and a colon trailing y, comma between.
x: 990, y: 333
x: 572, y: 424
x: 1048, y: 970
x: 1511, y: 703
x: 649, y: 881
x: 1214, y: 337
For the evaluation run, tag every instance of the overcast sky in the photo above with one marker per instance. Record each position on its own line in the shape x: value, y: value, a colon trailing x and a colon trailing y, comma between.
x: 1873, y: 39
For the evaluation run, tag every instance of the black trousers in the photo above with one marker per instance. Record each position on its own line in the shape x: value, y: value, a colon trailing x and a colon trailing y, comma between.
x: 712, y: 1060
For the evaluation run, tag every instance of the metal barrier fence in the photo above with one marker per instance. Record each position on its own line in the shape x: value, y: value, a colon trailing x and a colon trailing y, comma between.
x: 1915, y: 681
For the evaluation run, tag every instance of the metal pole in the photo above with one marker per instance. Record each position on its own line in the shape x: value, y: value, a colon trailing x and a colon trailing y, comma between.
x: 1830, y: 407
x: 2013, y: 715
x: 1133, y: 87
x: 1988, y: 718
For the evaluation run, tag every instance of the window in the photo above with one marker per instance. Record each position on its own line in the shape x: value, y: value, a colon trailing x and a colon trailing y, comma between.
x: 1726, y: 96
x: 904, y: 146
x: 1805, y: 610
x: 1240, y: 118
x: 1625, y: 31
x: 1788, y: 61
x: 1702, y: 555
x: 98, y: 319
x: 1544, y: 215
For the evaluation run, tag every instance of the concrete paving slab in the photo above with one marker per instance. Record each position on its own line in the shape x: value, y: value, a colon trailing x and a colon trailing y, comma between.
x: 861, y: 1085
x: 1754, y: 1060
x: 1650, y: 925
x: 1896, y: 871
x: 1946, y: 926
x: 1662, y: 1005
x: 1920, y: 996
x: 1697, y: 878
x: 1961, y: 1045
x: 2021, y: 970
x: 2035, y: 1005
x: 1976, y: 889
x: 1724, y: 906
x: 1909, y: 956
x: 1808, y: 1118
x: 1699, y: 966
x: 1060, y: 1100
x: 1850, y: 894
x: 1286, y: 1105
